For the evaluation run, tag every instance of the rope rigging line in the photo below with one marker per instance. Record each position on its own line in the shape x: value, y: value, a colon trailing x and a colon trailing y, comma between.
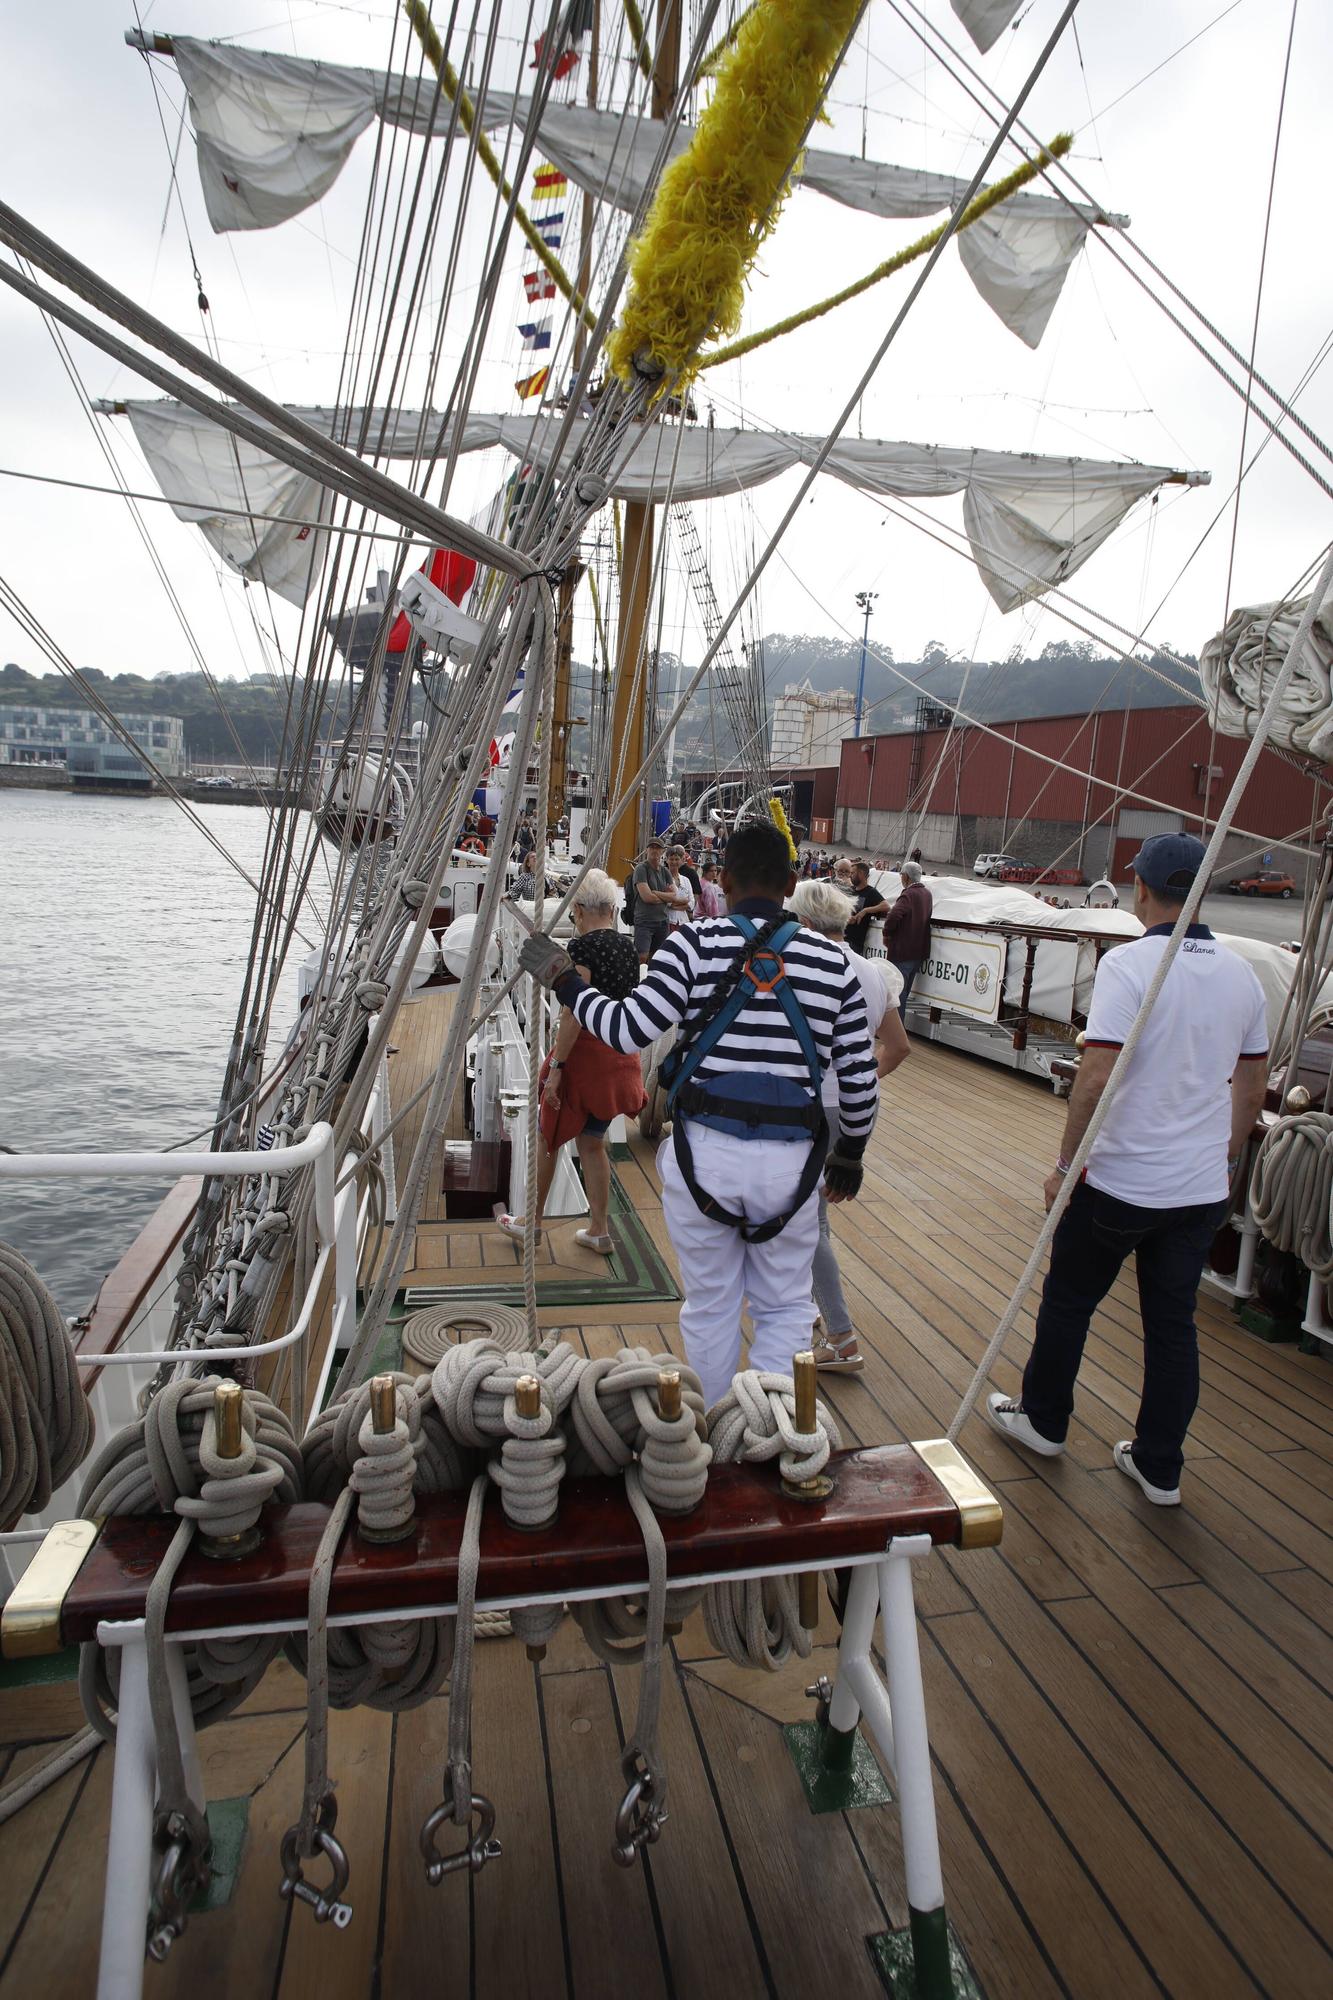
x: 1071, y: 1180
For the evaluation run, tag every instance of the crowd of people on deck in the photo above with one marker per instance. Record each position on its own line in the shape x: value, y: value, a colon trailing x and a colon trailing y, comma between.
x: 750, y: 975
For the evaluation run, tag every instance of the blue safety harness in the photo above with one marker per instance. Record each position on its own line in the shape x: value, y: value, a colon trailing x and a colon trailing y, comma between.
x: 748, y: 1104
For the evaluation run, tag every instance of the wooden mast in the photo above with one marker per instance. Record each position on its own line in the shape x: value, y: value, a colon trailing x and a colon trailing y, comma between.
x: 630, y: 694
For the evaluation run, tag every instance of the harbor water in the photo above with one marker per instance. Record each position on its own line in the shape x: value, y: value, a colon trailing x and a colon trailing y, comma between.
x: 124, y: 937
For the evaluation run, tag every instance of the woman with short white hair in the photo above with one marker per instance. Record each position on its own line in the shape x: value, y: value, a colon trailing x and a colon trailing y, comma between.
x: 585, y: 1084
x: 824, y: 907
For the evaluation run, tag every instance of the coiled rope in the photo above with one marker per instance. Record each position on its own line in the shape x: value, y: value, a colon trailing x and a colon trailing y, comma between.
x: 756, y: 1622
x: 1291, y: 1191
x: 46, y: 1424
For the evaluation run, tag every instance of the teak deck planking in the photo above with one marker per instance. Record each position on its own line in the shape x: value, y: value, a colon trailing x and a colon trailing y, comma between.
x: 1129, y: 1708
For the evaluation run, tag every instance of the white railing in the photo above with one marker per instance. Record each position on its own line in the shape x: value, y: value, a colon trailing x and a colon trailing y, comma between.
x: 335, y: 1225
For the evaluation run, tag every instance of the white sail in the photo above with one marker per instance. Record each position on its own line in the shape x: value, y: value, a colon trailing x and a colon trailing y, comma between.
x: 222, y: 483
x: 985, y: 20
x: 273, y: 133
x: 1030, y: 520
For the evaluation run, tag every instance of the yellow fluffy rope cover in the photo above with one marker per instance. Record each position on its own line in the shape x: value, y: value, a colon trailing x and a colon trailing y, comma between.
x: 781, y: 823
x: 717, y: 202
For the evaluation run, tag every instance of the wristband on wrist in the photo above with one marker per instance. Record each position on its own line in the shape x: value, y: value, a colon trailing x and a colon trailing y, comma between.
x: 1062, y: 1165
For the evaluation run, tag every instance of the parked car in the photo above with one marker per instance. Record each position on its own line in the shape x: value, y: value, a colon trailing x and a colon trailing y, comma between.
x: 1268, y: 882
x: 995, y: 864
x: 219, y: 783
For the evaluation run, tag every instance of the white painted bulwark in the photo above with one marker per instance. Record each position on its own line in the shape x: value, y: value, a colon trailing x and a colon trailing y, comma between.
x: 965, y: 973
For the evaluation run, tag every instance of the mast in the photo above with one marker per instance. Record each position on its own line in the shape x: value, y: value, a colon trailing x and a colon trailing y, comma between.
x: 630, y: 694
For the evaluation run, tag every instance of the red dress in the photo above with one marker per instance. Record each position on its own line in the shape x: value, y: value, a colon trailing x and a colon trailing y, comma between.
x: 597, y: 1082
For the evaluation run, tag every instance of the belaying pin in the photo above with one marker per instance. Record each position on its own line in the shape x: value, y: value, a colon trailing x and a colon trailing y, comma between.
x: 668, y: 1394
x: 806, y: 1382
x: 229, y: 1431
x: 383, y: 1404
x: 528, y: 1396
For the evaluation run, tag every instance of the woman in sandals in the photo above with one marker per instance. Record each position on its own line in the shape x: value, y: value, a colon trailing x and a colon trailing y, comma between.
x: 827, y: 909
x: 585, y: 1084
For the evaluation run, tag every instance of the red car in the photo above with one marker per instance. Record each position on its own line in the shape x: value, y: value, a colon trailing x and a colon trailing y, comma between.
x: 1267, y: 883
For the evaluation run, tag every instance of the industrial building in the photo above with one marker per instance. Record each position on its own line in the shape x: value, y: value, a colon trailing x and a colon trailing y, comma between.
x: 808, y: 727
x: 1068, y: 791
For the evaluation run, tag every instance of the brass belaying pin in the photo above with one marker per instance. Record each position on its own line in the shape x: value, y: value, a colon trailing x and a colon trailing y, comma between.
x: 229, y: 1431
x: 228, y: 1408
x: 383, y: 1404
x: 383, y: 1422
x: 528, y: 1396
x: 668, y: 1394
x: 806, y: 1380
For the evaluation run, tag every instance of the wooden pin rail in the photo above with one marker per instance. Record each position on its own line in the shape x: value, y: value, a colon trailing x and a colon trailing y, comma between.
x: 744, y: 1523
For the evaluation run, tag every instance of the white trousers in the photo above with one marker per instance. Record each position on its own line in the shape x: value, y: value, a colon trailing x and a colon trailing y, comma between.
x: 720, y: 1270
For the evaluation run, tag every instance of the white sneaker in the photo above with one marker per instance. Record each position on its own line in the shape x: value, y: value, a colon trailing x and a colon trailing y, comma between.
x: 1009, y: 1420
x: 1161, y: 1496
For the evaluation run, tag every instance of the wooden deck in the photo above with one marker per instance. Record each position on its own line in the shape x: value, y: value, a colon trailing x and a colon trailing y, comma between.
x: 1130, y: 1709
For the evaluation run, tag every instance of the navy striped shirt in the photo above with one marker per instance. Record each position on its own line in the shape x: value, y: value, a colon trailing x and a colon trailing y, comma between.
x: 682, y: 977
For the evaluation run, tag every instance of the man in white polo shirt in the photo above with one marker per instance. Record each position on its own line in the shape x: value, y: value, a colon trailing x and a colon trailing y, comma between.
x: 1158, y: 1175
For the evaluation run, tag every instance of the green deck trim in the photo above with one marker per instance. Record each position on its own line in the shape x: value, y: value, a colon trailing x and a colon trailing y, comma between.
x: 228, y: 1823
x: 1272, y: 1327
x: 43, y: 1672
x: 892, y: 1956
x: 828, y: 1788
x: 637, y: 1274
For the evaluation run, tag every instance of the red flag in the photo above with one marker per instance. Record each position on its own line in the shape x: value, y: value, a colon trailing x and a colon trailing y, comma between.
x: 564, y: 62
x: 532, y: 385
x: 448, y: 571
x: 538, y: 285
x: 549, y: 180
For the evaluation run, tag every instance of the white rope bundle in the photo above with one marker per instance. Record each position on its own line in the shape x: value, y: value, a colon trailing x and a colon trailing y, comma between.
x: 756, y: 1623
x: 46, y: 1425
x: 167, y: 1461
x: 1291, y: 1192
x: 392, y: 1665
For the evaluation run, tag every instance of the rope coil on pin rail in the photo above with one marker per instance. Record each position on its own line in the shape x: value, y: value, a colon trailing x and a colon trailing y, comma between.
x: 212, y: 1453
x: 172, y: 1459
x: 1291, y: 1189
x: 46, y: 1421
x: 759, y: 1622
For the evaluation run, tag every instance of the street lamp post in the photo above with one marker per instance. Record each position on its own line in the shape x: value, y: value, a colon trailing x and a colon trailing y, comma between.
x: 866, y: 600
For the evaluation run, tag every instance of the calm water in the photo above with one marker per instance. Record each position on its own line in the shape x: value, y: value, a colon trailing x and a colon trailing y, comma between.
x: 123, y: 940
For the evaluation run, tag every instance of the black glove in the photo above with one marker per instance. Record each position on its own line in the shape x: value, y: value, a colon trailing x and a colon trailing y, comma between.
x: 842, y: 1177
x: 547, y: 961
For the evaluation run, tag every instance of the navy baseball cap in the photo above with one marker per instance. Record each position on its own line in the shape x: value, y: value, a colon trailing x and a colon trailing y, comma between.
x: 1169, y: 862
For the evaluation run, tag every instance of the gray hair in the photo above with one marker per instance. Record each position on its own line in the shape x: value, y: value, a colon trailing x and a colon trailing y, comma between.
x: 823, y: 907
x: 596, y: 892
x: 910, y: 871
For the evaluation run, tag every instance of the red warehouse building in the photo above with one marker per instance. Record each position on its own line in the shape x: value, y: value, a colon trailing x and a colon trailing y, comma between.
x: 1073, y: 791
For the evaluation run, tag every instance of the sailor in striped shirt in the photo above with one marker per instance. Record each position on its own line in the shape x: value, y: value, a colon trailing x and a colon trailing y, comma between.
x: 750, y: 1158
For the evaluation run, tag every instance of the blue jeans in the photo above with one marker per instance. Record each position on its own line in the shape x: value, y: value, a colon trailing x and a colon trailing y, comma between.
x: 909, y: 967
x: 1170, y: 1245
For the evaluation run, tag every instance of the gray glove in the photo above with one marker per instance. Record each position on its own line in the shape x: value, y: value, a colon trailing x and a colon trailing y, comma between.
x: 547, y: 961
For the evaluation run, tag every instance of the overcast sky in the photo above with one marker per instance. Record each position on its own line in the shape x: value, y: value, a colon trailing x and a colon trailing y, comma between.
x: 1187, y: 154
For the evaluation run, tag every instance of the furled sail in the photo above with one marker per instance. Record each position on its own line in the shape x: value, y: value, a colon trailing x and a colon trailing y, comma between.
x: 1240, y: 663
x: 273, y: 133
x: 1030, y: 521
